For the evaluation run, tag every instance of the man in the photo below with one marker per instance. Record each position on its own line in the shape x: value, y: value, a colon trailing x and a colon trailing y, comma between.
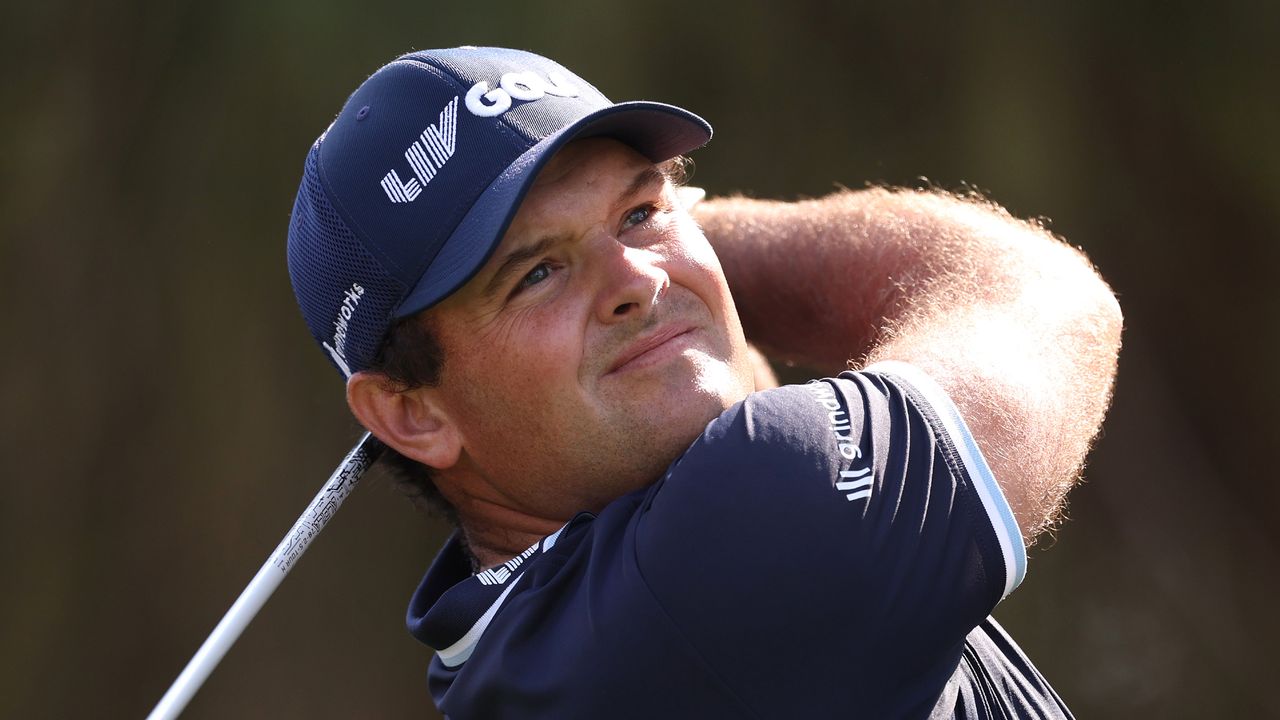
x: 529, y: 313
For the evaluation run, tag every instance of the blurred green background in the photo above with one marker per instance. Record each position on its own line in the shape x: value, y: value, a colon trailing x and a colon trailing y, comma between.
x: 166, y: 416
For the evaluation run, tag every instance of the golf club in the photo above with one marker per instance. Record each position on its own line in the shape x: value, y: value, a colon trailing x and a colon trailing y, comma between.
x: 318, y: 513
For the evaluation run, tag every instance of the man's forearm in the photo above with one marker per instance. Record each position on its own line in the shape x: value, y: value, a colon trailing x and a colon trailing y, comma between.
x: 814, y: 281
x: 1015, y: 325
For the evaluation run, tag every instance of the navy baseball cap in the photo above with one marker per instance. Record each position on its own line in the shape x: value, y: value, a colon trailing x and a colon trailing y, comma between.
x: 410, y: 190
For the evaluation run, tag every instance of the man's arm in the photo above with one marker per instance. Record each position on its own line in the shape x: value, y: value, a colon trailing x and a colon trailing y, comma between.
x: 1015, y: 326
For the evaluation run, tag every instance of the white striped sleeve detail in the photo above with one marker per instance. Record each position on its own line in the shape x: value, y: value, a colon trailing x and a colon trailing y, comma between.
x: 993, y: 500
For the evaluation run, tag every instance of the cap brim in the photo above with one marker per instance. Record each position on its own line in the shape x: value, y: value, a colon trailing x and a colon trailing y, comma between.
x: 656, y: 130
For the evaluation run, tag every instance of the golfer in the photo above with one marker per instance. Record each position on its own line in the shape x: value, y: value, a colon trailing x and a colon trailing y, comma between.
x: 551, y: 335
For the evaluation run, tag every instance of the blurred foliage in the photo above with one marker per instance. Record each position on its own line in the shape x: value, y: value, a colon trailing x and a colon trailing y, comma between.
x: 166, y: 416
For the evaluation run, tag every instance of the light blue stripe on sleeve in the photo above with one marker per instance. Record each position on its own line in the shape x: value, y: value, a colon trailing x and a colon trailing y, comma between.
x: 993, y: 500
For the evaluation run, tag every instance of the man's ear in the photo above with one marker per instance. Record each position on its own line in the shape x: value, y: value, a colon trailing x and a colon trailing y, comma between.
x: 411, y: 421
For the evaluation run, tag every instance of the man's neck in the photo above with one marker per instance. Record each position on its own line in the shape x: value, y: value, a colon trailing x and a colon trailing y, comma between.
x: 491, y: 545
x: 496, y: 527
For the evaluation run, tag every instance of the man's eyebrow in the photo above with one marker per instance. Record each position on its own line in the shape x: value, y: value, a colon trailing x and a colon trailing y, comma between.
x: 512, y: 261
x: 643, y: 179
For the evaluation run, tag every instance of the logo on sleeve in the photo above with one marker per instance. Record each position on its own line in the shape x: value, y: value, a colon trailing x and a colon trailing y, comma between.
x: 426, y: 156
x: 855, y: 483
x: 859, y: 481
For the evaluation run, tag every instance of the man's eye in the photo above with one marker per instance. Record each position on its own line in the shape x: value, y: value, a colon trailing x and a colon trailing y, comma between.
x: 540, y: 272
x: 637, y: 216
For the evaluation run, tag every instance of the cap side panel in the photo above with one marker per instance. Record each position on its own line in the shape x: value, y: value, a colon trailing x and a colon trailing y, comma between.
x: 345, y: 295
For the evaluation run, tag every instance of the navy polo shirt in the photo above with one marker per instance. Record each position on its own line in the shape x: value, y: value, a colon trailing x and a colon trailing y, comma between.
x: 822, y: 550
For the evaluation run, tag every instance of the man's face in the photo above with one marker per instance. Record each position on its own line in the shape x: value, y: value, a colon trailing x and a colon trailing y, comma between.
x: 595, y: 344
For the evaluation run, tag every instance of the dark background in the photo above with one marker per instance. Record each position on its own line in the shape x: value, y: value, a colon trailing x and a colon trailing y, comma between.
x: 166, y: 415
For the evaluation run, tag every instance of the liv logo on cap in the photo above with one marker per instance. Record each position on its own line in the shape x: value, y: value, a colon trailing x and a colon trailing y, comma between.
x: 426, y: 155
x: 406, y: 197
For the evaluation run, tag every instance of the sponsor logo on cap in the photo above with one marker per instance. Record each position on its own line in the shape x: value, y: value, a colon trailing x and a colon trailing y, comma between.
x: 525, y: 85
x: 426, y: 156
x: 338, y: 350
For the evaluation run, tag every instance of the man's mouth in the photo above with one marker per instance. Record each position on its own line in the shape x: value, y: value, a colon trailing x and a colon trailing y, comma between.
x: 652, y: 348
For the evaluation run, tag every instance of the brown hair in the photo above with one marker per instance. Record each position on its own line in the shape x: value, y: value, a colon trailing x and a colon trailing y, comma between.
x: 411, y: 357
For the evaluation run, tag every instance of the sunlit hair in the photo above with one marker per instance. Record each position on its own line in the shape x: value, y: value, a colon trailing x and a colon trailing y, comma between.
x: 678, y: 170
x: 411, y: 357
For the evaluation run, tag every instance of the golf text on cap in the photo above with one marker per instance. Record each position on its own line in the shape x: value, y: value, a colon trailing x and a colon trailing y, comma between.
x: 426, y: 156
x: 338, y: 351
x: 526, y: 85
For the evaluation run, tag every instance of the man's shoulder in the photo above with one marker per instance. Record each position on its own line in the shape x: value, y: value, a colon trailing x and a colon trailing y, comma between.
x: 818, y: 418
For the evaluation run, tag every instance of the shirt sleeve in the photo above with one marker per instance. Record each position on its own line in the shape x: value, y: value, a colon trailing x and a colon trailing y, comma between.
x: 847, y: 530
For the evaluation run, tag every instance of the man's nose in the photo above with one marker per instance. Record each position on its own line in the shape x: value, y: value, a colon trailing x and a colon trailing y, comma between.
x: 632, y: 281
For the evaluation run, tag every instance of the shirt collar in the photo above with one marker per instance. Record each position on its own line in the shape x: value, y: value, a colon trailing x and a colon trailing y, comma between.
x: 452, y: 607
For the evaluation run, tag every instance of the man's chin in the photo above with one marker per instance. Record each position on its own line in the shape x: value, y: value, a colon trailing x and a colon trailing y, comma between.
x: 683, y: 418
x: 668, y: 412
x: 721, y: 383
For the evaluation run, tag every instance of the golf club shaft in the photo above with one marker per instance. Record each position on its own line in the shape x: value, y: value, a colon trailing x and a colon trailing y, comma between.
x: 255, y: 595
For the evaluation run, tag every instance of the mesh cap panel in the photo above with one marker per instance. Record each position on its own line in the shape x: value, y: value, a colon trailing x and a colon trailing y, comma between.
x: 336, y: 280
